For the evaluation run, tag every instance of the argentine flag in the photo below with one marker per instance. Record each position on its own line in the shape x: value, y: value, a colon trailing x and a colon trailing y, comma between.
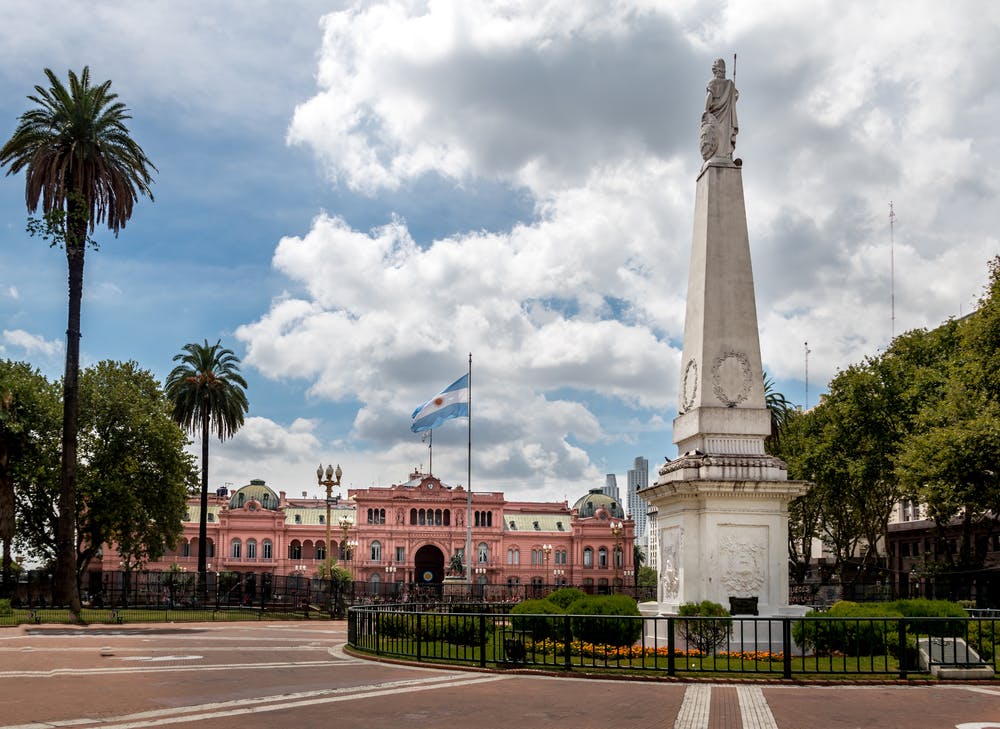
x: 451, y: 402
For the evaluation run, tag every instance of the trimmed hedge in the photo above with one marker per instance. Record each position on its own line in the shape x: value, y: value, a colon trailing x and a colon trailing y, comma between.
x: 457, y: 629
x: 565, y: 596
x: 526, y: 617
x: 590, y: 626
x: 857, y: 633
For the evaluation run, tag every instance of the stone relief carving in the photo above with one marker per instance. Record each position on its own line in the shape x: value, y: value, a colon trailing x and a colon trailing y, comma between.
x: 744, y: 556
x: 671, y: 543
x: 689, y: 386
x: 732, y: 378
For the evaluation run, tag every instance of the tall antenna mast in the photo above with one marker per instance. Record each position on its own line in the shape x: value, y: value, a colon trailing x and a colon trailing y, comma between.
x: 806, y: 345
x: 892, y: 272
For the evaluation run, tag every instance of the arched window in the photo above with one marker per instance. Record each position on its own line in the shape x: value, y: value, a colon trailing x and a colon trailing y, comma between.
x: 413, y: 517
x: 186, y: 549
x: 211, y: 517
x: 265, y: 499
x: 320, y: 551
x: 295, y: 550
x: 375, y: 579
x: 602, y: 557
x: 240, y: 499
x: 211, y: 548
x: 619, y: 557
x: 369, y: 516
x: 251, y: 549
x: 484, y: 552
x: 322, y: 518
x: 298, y: 518
x: 447, y: 517
x: 381, y: 516
x: 422, y: 517
x: 376, y: 551
x: 237, y: 549
x: 438, y: 516
x: 268, y: 549
x: 588, y: 557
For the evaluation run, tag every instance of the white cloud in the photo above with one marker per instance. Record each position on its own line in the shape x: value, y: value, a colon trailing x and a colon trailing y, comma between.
x: 31, y: 343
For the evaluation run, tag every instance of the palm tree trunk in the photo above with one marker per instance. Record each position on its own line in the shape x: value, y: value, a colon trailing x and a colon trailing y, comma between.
x: 203, y: 521
x: 65, y: 588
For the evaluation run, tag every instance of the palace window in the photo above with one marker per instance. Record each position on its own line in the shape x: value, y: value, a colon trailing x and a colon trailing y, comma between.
x: 602, y: 557
x: 588, y: 557
x: 251, y: 549
x: 268, y: 549
x: 376, y: 551
x: 484, y: 552
x: 237, y: 548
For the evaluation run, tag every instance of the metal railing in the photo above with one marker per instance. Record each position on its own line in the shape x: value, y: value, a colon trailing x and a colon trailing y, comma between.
x: 785, y: 647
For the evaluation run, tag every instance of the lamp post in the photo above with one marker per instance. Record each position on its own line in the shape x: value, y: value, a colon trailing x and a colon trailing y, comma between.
x: 329, y: 482
x: 547, y: 549
x: 626, y: 574
x: 390, y: 576
x: 349, y: 544
x: 616, y: 531
x: 557, y: 575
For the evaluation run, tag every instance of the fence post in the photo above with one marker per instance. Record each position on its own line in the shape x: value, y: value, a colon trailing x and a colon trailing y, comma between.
x: 902, y: 647
x: 482, y: 638
x: 568, y: 643
x: 671, y: 646
x: 419, y: 636
x: 786, y: 647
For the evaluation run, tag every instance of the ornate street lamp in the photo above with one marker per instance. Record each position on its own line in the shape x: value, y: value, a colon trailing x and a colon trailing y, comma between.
x: 330, y: 481
x: 557, y: 576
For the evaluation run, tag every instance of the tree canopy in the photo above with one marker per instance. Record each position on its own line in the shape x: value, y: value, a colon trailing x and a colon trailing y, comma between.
x: 134, y: 472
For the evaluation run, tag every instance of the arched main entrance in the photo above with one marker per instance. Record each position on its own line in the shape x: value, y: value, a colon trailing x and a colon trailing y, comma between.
x: 428, y: 565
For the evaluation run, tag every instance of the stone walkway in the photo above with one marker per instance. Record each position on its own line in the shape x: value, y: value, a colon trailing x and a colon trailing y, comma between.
x: 263, y: 675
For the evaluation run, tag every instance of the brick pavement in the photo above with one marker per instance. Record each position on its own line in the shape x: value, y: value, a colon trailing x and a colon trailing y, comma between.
x: 296, y: 674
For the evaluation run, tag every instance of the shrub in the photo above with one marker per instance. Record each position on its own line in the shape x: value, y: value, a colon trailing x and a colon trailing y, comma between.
x: 921, y: 608
x: 592, y: 621
x: 983, y: 637
x: 711, y: 629
x: 526, y: 617
x: 5, y: 609
x: 850, y: 628
x: 565, y: 596
x: 459, y: 629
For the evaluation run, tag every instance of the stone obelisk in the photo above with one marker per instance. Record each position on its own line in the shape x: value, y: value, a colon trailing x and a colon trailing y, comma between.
x: 723, y: 503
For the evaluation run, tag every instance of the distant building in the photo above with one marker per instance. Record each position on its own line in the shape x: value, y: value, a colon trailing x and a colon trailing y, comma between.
x: 638, y: 479
x: 408, y: 533
x: 611, y: 487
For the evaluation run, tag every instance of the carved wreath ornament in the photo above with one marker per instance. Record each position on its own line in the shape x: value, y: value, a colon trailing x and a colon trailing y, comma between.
x: 689, y: 386
x: 727, y: 368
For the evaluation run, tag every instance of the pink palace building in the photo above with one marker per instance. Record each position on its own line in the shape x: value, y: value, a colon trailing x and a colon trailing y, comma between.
x: 408, y: 533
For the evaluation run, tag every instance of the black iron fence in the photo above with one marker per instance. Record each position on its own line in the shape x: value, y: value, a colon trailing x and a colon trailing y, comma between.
x: 787, y: 647
x: 180, y: 590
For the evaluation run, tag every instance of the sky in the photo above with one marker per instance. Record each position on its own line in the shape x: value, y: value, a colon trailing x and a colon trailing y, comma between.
x: 355, y: 197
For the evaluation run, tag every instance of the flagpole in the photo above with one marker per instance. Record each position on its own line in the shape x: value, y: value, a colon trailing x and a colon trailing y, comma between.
x: 468, y: 490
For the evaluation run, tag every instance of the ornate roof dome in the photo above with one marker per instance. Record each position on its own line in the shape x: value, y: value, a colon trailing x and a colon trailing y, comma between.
x: 255, y: 491
x: 598, y: 504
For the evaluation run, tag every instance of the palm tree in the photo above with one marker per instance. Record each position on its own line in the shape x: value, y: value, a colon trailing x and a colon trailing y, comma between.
x: 207, y: 392
x: 86, y: 169
x: 781, y: 410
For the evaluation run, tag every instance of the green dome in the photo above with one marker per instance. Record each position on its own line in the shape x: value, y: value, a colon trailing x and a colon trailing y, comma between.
x: 595, y: 501
x: 255, y: 491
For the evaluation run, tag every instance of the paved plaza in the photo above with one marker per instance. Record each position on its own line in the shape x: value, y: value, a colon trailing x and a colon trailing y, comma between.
x: 256, y: 675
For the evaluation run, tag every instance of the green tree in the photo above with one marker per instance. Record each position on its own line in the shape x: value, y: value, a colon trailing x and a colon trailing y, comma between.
x: 29, y: 442
x: 83, y: 166
x: 134, y: 471
x: 951, y: 458
x: 208, y: 394
x: 137, y: 475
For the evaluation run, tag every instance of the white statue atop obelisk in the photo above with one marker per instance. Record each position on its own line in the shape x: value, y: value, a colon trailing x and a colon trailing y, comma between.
x: 722, y: 504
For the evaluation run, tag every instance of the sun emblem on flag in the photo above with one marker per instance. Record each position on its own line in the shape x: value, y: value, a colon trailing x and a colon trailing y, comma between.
x: 438, y: 400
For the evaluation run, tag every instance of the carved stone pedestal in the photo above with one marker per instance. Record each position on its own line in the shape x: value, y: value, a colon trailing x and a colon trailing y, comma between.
x: 723, y: 538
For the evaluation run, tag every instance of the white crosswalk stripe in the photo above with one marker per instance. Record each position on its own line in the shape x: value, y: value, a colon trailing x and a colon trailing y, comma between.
x: 754, y: 708
x: 694, y: 708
